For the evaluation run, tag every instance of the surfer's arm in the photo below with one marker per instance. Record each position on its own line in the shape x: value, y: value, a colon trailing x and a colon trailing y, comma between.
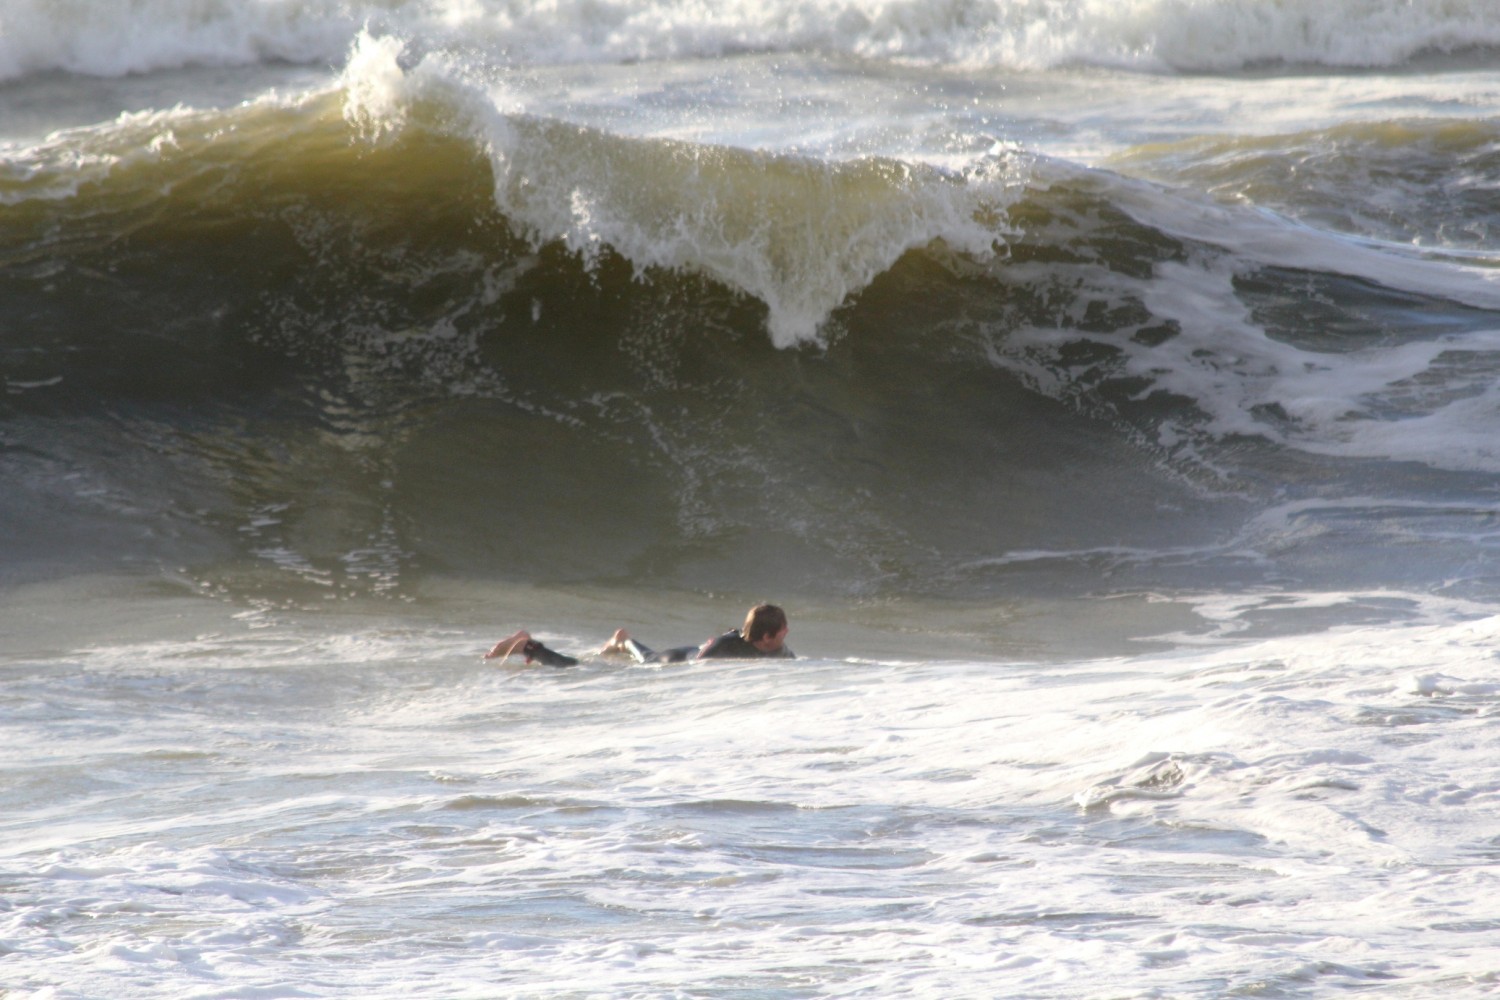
x: 505, y: 647
x: 523, y: 643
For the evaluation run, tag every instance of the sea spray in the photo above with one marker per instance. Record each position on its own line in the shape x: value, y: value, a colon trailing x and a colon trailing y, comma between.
x: 799, y: 234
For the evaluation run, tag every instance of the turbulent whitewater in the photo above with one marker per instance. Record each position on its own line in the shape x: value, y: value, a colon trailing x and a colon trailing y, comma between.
x: 1108, y: 391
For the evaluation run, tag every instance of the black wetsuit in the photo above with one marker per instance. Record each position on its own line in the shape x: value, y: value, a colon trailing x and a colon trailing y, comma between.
x: 534, y: 650
x: 729, y: 646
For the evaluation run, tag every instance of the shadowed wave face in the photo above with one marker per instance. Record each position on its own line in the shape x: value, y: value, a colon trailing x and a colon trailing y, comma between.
x: 255, y: 348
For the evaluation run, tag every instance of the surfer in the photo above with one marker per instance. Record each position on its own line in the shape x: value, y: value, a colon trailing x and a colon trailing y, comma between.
x: 762, y: 635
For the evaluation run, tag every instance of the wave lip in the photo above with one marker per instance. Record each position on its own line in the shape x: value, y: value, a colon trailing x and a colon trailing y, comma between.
x: 797, y: 233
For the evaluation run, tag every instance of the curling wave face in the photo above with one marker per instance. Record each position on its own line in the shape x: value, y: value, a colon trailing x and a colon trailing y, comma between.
x: 403, y: 323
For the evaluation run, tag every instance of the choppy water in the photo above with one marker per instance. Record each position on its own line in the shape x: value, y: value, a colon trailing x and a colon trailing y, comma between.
x: 1107, y: 390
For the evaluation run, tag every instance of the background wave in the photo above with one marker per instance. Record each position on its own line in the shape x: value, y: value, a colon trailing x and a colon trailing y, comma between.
x: 340, y: 360
x: 109, y: 39
x: 1423, y: 182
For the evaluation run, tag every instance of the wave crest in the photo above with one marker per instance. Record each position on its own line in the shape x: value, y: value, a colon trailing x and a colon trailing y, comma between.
x: 797, y: 233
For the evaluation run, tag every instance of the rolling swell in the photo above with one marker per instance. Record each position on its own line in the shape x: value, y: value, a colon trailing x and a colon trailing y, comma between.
x: 332, y: 364
x: 289, y: 365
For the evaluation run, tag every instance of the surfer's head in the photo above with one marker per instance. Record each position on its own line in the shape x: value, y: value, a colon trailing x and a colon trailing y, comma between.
x: 765, y: 626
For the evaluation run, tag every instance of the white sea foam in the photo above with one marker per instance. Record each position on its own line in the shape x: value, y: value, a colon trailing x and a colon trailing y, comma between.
x: 1368, y: 403
x: 1431, y: 400
x: 379, y: 811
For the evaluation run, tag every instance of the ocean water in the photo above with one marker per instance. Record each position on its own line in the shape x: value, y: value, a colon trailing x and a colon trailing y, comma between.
x: 1110, y: 391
